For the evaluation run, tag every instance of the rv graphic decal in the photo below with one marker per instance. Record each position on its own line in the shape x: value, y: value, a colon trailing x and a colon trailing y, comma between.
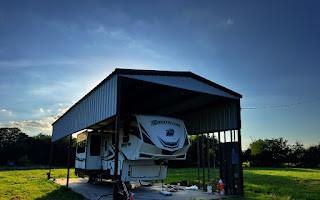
x: 169, y: 132
x: 156, y: 122
x: 170, y: 145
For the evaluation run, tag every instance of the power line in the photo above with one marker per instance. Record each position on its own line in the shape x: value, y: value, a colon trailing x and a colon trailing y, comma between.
x: 282, y: 105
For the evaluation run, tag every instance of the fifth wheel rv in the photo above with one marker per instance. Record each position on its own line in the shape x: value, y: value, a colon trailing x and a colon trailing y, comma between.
x: 146, y: 143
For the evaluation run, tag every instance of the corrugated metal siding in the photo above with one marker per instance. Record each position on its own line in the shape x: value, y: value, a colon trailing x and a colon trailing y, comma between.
x: 100, y: 104
x: 187, y: 83
x: 218, y: 117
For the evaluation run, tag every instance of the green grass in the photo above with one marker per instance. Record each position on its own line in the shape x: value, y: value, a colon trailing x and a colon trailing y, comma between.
x: 264, y: 183
x: 33, y: 184
x: 190, y: 175
x: 282, y: 183
x: 260, y: 183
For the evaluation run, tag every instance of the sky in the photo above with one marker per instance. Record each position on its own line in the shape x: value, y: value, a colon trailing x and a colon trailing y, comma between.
x: 53, y: 52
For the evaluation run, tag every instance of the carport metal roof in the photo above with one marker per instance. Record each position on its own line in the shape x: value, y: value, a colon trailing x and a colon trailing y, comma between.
x: 204, y: 105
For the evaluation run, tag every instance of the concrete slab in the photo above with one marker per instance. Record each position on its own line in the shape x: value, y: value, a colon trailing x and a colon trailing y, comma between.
x: 93, y: 192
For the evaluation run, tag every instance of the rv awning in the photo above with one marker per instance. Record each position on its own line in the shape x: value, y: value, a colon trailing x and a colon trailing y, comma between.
x: 204, y: 105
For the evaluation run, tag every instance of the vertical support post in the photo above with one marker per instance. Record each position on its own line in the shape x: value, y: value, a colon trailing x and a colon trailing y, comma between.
x: 116, y: 156
x: 240, y: 163
x: 68, y: 162
x: 214, y: 151
x: 208, y: 155
x: 231, y: 136
x: 198, y: 158
x: 117, y: 129
x: 220, y: 155
x: 203, y: 162
x: 232, y: 164
x: 50, y: 160
x: 234, y: 135
x: 116, y: 183
x: 240, y: 149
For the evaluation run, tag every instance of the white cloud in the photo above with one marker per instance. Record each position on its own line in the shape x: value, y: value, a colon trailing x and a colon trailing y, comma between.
x: 43, y: 110
x: 33, y: 126
x: 6, y: 112
x: 36, y: 126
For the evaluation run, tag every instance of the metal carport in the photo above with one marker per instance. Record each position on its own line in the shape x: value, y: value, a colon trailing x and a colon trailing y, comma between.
x: 205, y: 106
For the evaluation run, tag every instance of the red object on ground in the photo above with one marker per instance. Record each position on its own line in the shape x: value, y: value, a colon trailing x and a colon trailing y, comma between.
x: 220, y: 186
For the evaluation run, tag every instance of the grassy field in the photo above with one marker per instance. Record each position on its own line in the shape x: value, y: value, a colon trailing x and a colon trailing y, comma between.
x: 259, y: 183
x: 282, y: 184
x: 33, y: 184
x: 264, y: 183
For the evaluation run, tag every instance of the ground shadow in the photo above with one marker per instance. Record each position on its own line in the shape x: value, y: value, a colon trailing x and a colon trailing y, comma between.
x: 62, y: 193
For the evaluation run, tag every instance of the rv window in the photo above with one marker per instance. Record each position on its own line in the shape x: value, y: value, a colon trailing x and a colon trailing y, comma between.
x: 133, y: 130
x: 81, y: 146
x: 130, y: 128
x: 95, y: 145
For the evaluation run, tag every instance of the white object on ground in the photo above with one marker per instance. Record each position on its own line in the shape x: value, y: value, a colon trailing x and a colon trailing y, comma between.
x: 144, y: 183
x: 166, y: 193
x: 194, y: 187
x: 209, y: 189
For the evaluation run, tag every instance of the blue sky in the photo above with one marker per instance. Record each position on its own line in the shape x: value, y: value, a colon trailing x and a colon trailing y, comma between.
x: 52, y: 53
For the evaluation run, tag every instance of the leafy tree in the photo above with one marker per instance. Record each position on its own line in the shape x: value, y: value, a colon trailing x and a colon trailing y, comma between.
x: 311, y: 157
x: 39, y: 153
x: 269, y: 152
x: 12, y: 144
x: 247, y: 155
x: 296, y: 154
x: 19, y: 148
x: 257, y: 147
x: 60, y: 152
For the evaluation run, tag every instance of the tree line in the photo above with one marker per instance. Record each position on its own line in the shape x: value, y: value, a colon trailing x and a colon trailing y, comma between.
x: 19, y: 149
x: 277, y: 152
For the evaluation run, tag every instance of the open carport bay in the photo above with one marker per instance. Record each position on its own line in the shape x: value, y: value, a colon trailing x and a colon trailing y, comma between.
x: 205, y: 107
x: 94, y: 192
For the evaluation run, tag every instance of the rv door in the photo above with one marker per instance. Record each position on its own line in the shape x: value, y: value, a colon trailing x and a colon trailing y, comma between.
x: 81, y: 153
x: 93, y: 161
x: 108, y: 153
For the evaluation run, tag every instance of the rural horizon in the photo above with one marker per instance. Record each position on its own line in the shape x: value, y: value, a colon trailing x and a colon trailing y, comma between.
x: 271, y: 59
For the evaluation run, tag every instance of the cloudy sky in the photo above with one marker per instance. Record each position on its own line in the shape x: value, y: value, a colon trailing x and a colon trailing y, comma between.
x: 53, y: 53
